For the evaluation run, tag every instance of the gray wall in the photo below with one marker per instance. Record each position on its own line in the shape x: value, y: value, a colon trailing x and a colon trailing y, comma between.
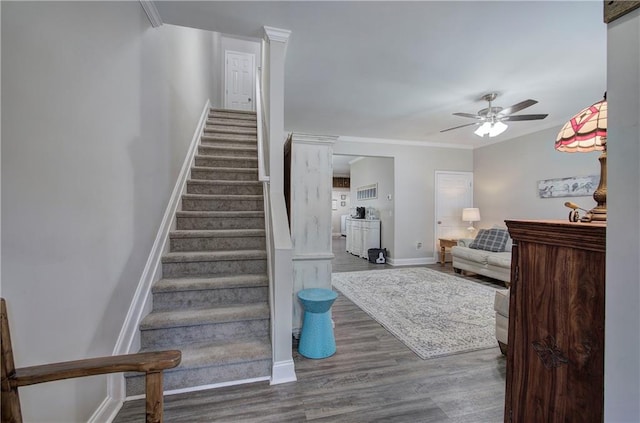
x: 98, y: 112
x: 622, y: 337
x: 506, y: 176
x: 414, y: 169
x: 376, y: 170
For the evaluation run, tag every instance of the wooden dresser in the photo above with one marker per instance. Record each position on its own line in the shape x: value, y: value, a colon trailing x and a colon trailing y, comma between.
x: 555, y: 359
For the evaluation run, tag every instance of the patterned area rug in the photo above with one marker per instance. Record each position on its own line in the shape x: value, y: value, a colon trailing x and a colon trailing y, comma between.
x: 433, y: 313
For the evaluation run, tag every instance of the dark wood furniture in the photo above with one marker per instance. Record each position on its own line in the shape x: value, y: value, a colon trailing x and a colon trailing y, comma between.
x: 341, y: 182
x: 152, y: 363
x: 555, y: 359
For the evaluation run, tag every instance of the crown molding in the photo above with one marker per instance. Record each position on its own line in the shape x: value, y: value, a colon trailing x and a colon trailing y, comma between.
x: 403, y: 142
x: 152, y: 12
x: 276, y: 34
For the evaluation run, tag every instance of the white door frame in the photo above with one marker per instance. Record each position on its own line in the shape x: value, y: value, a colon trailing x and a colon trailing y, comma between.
x: 436, y: 250
x: 253, y: 78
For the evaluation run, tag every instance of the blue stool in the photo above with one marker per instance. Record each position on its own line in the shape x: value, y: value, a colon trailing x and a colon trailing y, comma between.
x: 316, y: 337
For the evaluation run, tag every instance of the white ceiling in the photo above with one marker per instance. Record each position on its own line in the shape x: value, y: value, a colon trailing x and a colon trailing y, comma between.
x: 398, y: 70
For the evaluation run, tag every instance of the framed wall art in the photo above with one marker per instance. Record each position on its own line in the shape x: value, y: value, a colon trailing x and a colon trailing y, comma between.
x: 574, y: 186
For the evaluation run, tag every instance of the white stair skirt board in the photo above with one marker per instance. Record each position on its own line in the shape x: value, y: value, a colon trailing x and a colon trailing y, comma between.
x: 141, y: 302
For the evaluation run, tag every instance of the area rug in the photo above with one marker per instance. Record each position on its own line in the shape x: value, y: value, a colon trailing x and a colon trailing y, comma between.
x: 433, y: 313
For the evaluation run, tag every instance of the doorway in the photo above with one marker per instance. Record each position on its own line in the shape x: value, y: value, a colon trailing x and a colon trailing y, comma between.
x: 453, y: 191
x: 239, y: 80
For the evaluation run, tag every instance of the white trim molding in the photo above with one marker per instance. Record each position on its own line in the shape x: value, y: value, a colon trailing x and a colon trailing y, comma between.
x: 411, y: 261
x: 402, y: 142
x: 283, y: 372
x: 276, y: 34
x: 152, y: 12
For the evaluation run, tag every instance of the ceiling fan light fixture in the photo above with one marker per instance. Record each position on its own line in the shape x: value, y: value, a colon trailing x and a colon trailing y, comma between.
x: 497, y: 129
x: 491, y: 129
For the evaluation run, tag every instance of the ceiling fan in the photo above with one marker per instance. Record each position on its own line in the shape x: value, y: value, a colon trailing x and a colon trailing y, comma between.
x: 491, y: 120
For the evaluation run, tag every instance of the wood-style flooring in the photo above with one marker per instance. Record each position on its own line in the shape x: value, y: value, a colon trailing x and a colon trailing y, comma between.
x: 373, y: 377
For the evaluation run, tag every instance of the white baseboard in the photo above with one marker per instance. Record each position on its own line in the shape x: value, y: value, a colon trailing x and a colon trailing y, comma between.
x: 203, y: 387
x: 283, y: 372
x: 411, y: 262
x: 106, y: 412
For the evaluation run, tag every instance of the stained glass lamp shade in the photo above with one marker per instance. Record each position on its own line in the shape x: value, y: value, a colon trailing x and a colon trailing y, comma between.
x: 586, y: 132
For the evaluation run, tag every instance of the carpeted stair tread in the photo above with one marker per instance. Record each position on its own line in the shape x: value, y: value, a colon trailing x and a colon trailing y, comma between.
x: 228, y: 129
x: 228, y: 214
x: 243, y: 123
x: 227, y: 169
x: 197, y: 256
x: 221, y: 353
x: 173, y: 319
x: 222, y: 182
x: 216, y: 139
x: 226, y: 149
x: 216, y: 233
x: 198, y: 284
x: 222, y: 197
x: 215, y: 362
x: 238, y: 111
x: 233, y: 114
x: 230, y: 158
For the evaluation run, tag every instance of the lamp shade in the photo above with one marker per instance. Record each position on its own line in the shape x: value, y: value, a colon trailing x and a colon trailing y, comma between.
x: 586, y: 131
x: 471, y: 215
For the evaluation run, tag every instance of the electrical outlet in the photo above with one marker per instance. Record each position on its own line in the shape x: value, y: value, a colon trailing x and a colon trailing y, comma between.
x: 418, y: 245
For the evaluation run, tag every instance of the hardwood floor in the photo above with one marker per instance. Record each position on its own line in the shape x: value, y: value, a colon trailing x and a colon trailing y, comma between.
x: 373, y: 377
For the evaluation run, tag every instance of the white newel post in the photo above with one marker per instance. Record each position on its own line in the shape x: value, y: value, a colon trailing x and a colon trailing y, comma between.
x: 277, y: 40
x: 311, y: 187
x: 274, y: 51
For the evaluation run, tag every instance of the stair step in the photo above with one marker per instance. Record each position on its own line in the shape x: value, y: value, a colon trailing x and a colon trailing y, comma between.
x: 226, y: 161
x: 230, y: 129
x: 165, y: 329
x: 225, y: 173
x: 228, y: 151
x: 176, y: 294
x: 206, y: 364
x: 217, y: 240
x: 235, y: 114
x: 220, y: 220
x: 205, y: 186
x: 222, y: 202
x: 213, y: 263
x: 241, y: 138
x: 232, y: 122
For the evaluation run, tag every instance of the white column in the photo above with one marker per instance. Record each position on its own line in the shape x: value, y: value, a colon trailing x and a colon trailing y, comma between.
x: 622, y: 338
x: 311, y: 187
x: 277, y: 45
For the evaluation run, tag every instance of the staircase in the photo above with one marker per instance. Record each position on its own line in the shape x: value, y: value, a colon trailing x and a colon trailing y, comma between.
x: 212, y: 303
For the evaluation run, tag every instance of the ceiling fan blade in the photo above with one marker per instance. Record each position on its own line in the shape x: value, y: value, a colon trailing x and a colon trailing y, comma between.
x: 469, y: 115
x: 517, y: 107
x: 523, y: 117
x: 461, y: 126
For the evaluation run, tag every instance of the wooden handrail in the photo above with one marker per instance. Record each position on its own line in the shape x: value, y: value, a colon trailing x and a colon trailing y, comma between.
x: 141, y: 362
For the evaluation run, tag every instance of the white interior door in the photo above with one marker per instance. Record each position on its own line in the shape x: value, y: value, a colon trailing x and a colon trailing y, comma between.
x: 239, y: 80
x: 454, y: 191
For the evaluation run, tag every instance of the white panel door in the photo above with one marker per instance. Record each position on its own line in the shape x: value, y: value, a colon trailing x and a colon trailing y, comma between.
x: 454, y: 191
x: 239, y: 80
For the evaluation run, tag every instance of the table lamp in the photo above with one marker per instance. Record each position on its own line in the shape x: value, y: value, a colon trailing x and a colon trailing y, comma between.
x: 471, y: 215
x: 585, y: 132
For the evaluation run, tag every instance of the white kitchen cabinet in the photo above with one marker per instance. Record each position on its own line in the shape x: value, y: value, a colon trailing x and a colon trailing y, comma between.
x: 362, y: 234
